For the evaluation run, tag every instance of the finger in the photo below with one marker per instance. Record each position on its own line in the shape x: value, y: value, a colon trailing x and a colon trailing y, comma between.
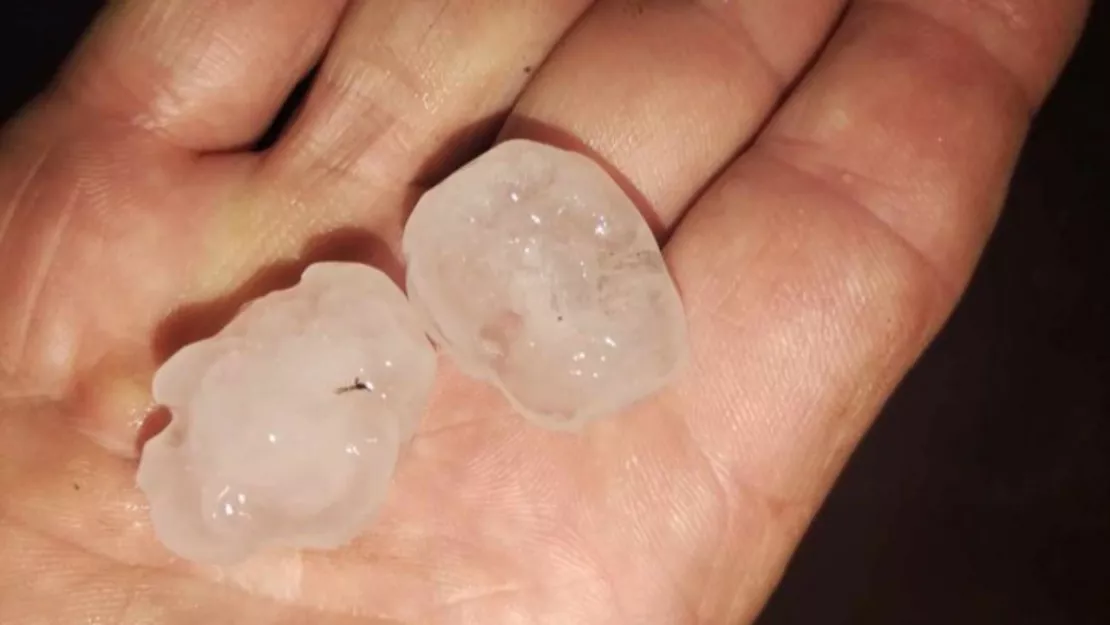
x: 206, y: 75
x: 666, y: 93
x: 406, y: 88
x: 819, y: 265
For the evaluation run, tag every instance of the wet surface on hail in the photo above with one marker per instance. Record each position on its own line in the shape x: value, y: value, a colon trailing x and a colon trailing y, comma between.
x: 286, y: 425
x: 536, y: 272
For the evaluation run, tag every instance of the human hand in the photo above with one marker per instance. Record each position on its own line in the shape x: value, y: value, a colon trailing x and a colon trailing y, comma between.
x: 815, y: 267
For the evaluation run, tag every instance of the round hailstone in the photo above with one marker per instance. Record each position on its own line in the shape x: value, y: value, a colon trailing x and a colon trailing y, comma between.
x: 536, y: 272
x: 287, y: 424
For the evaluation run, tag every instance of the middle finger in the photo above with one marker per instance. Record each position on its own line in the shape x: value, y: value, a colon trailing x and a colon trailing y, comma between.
x: 406, y: 87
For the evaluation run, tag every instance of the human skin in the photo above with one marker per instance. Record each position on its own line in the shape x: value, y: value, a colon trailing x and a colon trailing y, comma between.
x: 821, y: 220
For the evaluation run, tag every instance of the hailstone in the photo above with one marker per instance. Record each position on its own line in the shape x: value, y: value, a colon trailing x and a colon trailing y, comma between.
x: 535, y: 271
x: 286, y: 425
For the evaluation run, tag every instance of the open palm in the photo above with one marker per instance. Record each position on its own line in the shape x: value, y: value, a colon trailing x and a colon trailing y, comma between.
x: 823, y: 206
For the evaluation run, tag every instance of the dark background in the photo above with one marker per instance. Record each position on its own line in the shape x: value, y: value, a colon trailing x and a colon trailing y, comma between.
x: 982, y: 495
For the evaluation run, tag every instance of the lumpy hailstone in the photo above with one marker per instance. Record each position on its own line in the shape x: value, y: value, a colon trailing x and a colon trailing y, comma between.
x: 286, y: 425
x: 536, y: 272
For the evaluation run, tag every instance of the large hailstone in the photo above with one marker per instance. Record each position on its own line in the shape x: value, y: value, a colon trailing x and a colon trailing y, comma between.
x: 286, y: 425
x: 537, y: 273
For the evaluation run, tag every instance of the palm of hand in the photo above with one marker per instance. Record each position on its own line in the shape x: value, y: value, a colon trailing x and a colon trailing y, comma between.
x: 119, y: 243
x: 490, y: 516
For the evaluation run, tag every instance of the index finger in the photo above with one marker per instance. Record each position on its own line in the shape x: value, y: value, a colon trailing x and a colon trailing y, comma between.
x: 822, y: 261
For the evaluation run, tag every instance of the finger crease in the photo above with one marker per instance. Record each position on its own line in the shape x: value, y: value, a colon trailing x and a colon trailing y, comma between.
x: 974, y: 45
x: 741, y: 36
x: 833, y: 184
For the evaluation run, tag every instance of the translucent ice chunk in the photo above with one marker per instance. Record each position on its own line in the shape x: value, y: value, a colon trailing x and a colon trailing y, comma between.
x: 286, y: 425
x: 535, y: 271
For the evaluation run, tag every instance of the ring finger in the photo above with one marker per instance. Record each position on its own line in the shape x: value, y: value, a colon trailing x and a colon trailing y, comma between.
x: 665, y: 94
x: 407, y: 89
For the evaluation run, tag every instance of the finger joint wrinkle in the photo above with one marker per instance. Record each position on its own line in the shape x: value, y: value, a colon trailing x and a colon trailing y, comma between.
x: 832, y: 181
x: 972, y: 45
x: 728, y: 16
